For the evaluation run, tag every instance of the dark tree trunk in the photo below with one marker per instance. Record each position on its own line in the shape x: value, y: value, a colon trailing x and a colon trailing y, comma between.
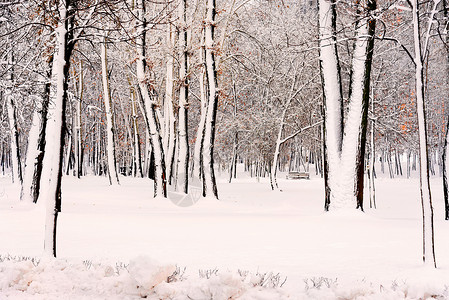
x: 445, y: 167
x: 35, y: 188
x: 366, y: 91
x: 445, y: 148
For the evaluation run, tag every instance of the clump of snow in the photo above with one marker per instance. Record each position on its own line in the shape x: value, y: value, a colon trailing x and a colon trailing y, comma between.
x: 147, y: 273
x: 143, y: 277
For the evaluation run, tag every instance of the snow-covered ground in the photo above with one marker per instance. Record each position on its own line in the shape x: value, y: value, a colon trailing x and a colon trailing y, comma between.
x: 119, y: 243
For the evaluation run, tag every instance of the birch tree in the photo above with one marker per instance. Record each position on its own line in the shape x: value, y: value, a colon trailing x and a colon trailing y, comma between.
x: 209, y: 181
x: 152, y: 121
x: 445, y: 156
x: 169, y: 139
x: 183, y: 152
x: 421, y: 51
x: 110, y: 131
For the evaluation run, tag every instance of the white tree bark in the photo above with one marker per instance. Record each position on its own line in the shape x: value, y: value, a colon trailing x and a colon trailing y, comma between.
x: 372, y: 161
x: 52, y: 166
x: 78, y: 133
x: 137, y: 159
x: 169, y: 139
x: 150, y: 115
x: 331, y: 83
x: 183, y: 150
x: 209, y: 182
x: 344, y: 150
x: 197, y: 164
x: 426, y: 198
x: 31, y: 158
x: 344, y: 195
x: 110, y: 135
x: 36, y: 146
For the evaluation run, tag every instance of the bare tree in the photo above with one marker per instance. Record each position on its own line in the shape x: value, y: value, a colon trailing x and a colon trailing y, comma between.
x: 110, y: 131
x: 152, y: 121
x: 344, y: 146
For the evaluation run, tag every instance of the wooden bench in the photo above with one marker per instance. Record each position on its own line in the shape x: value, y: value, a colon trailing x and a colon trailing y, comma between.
x: 298, y: 175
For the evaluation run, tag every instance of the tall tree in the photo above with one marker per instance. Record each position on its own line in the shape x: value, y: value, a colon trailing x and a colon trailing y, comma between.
x: 152, y: 121
x: 110, y: 130
x: 445, y: 157
x: 183, y: 152
x: 54, y: 148
x: 421, y: 51
x: 169, y: 139
x: 209, y: 181
x: 345, y: 145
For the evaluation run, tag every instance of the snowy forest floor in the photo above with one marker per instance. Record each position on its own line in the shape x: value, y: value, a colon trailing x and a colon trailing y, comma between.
x: 244, y: 246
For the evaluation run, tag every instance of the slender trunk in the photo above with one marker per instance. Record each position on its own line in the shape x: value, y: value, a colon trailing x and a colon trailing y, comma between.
x: 78, y: 133
x: 68, y: 155
x: 445, y: 179
x: 390, y: 166
x: 398, y: 159
x: 137, y: 159
x: 372, y: 160
x: 445, y: 159
x: 110, y: 134
x: 14, y: 138
x: 153, y: 125
x: 12, y: 113
x: 273, y: 174
x: 36, y: 148
x: 197, y: 163
x: 183, y: 150
x: 408, y: 164
x: 209, y: 182
x: 13, y: 128
x: 426, y: 198
x: 233, y: 166
x: 169, y: 140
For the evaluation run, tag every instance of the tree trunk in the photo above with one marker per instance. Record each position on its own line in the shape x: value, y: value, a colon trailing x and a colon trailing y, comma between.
x: 197, y: 163
x: 110, y: 134
x: 346, y: 188
x: 137, y: 158
x: 332, y: 94
x: 183, y: 150
x: 209, y: 182
x: 426, y: 198
x: 14, y: 138
x: 372, y: 161
x: 445, y: 166
x: 78, y: 133
x: 233, y: 165
x: 169, y: 140
x: 445, y: 158
x: 54, y: 149
x: 153, y: 125
x: 36, y: 147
